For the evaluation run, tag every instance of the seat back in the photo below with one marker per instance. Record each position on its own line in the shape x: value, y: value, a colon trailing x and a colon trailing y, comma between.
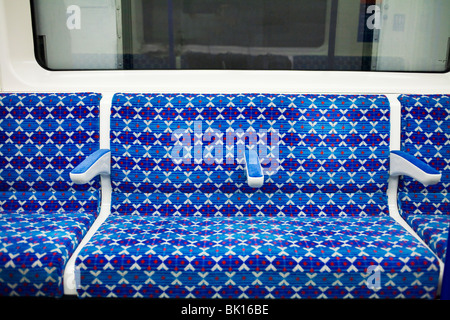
x: 43, y: 136
x: 426, y: 135
x: 183, y: 154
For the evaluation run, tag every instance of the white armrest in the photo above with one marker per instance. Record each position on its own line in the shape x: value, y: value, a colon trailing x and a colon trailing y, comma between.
x: 98, y: 163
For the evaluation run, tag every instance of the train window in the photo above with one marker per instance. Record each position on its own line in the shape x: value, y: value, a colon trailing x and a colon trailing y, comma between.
x: 352, y: 35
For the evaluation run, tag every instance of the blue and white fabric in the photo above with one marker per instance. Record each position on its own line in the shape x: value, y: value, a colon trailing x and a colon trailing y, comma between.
x: 185, y: 224
x: 43, y: 215
x: 426, y: 135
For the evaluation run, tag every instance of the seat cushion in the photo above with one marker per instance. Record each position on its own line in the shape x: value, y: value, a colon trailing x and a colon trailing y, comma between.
x: 179, y: 147
x: 34, y: 249
x: 433, y: 229
x: 255, y: 257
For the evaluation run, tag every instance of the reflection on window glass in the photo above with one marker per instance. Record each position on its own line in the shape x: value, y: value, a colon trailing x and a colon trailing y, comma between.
x: 355, y: 35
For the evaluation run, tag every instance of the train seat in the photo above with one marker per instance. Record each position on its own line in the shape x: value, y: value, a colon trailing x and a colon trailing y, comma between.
x: 251, y: 196
x: 43, y: 214
x: 425, y: 134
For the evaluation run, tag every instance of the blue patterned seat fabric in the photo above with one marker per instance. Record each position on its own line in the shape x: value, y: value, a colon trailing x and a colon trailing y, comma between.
x: 426, y: 134
x: 43, y: 215
x: 184, y: 223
